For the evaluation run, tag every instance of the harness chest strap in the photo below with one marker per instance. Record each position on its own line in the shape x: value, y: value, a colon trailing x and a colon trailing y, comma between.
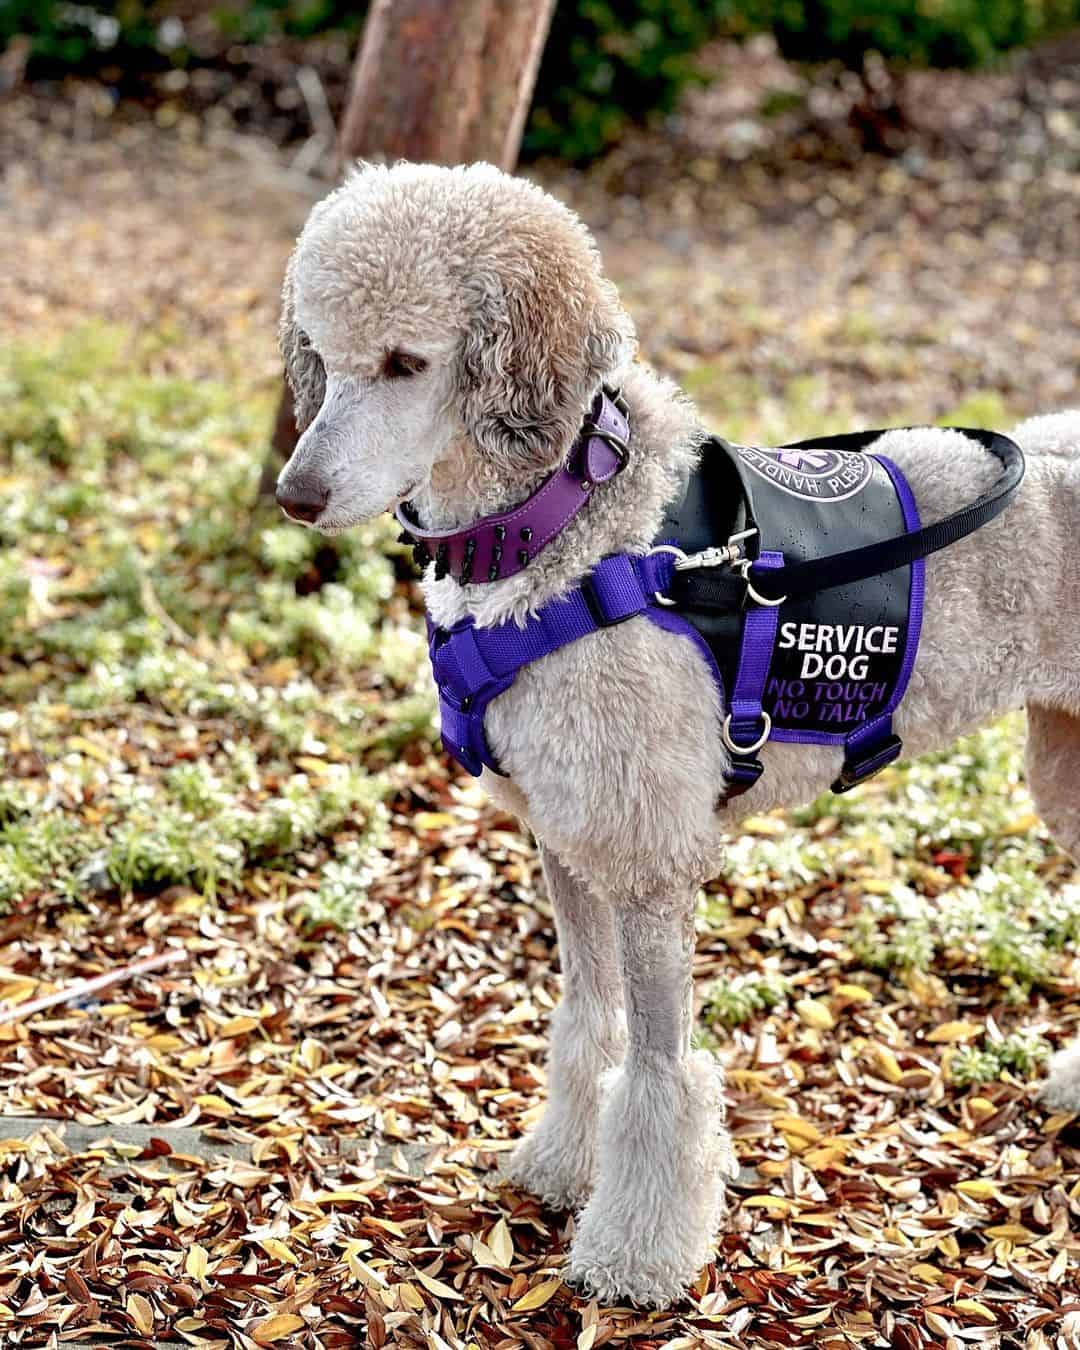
x: 474, y: 665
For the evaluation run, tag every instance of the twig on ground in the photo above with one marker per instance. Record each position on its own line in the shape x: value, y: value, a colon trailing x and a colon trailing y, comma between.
x: 70, y: 993
x: 157, y: 610
x: 324, y: 135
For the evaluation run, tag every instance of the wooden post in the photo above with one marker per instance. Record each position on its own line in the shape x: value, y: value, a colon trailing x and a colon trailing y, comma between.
x: 438, y: 81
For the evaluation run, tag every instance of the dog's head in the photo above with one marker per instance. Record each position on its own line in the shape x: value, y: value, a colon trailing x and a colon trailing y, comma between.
x: 438, y: 317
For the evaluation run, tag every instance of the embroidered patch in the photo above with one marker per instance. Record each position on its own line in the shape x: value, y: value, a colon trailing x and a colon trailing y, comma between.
x: 832, y: 676
x: 816, y: 475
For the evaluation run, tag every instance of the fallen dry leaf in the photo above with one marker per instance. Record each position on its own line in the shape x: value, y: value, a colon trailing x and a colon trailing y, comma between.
x: 537, y: 1296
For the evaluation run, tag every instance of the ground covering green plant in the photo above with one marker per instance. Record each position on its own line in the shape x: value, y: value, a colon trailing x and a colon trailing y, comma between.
x: 744, y: 998
x: 1019, y: 1054
x: 957, y: 872
x: 942, y: 879
x: 201, y: 696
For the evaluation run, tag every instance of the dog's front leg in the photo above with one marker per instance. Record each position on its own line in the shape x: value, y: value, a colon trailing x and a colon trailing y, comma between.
x: 557, y: 1161
x: 1053, y: 766
x: 663, y: 1150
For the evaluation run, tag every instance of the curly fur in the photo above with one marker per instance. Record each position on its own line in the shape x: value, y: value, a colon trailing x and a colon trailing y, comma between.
x: 304, y: 369
x: 611, y: 743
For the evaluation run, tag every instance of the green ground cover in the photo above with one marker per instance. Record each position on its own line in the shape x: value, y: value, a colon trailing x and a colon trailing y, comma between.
x: 185, y: 693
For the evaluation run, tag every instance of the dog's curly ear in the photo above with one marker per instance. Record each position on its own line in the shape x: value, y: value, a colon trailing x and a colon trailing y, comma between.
x: 532, y: 359
x: 304, y: 369
x: 610, y: 339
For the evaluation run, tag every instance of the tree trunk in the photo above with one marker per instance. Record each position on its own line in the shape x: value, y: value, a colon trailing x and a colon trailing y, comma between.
x: 469, y: 67
x: 439, y: 81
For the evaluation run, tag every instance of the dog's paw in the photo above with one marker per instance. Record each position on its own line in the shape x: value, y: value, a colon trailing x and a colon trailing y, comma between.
x: 600, y: 1267
x: 553, y: 1166
x: 1061, y: 1091
x: 665, y: 1157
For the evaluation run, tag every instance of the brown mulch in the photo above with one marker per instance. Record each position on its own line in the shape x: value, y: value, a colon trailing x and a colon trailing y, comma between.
x: 875, y: 1204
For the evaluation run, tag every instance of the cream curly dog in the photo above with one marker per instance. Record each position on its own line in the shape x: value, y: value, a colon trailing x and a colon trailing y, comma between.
x: 444, y: 331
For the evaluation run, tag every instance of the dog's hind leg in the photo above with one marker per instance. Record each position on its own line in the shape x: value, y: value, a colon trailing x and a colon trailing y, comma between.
x: 1053, y: 769
x: 663, y: 1151
x: 557, y: 1160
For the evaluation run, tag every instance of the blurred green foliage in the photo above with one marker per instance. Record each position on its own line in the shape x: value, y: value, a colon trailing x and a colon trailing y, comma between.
x: 918, y: 32
x: 153, y: 34
x: 254, y: 22
x: 607, y: 63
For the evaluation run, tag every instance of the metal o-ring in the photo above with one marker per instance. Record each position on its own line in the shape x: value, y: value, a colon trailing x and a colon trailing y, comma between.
x: 743, y: 568
x: 665, y: 548
x: 725, y: 736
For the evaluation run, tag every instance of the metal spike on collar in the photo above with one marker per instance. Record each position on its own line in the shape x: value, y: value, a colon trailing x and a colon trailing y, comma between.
x: 616, y: 396
x: 467, y: 562
x: 442, y: 566
x: 496, y: 558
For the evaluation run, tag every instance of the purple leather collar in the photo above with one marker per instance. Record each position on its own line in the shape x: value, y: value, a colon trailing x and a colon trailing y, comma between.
x: 499, y: 546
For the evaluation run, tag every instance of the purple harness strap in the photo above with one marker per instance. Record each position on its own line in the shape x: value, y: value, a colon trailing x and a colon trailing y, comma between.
x: 498, y: 546
x: 874, y: 745
x: 473, y: 665
x: 747, y: 726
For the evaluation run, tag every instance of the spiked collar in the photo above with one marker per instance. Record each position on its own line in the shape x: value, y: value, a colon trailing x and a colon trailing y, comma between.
x: 501, y: 545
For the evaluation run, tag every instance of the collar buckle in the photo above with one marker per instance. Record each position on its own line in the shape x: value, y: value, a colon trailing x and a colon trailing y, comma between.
x: 590, y: 431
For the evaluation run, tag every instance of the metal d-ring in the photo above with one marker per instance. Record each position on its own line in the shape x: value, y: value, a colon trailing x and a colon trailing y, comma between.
x: 665, y: 548
x: 742, y: 566
x: 725, y: 736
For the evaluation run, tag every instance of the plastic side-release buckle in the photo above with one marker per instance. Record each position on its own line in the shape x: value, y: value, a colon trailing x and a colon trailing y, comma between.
x: 870, y: 761
x: 741, y: 777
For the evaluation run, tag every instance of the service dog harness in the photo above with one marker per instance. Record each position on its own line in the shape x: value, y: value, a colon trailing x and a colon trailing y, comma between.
x: 807, y: 614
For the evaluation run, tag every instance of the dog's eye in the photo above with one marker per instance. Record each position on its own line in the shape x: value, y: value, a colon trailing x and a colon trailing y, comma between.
x: 399, y: 365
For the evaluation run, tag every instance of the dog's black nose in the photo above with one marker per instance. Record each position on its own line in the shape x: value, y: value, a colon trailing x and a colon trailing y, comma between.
x: 301, y: 502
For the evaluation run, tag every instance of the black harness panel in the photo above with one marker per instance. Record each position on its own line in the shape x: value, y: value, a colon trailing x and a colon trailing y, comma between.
x: 839, y: 656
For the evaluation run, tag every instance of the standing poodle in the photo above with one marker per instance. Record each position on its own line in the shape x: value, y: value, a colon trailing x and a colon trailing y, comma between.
x: 445, y: 331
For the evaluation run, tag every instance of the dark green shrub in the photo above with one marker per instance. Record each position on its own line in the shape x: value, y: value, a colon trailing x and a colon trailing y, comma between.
x: 79, y: 37
x: 144, y: 35
x: 607, y: 65
x: 260, y: 19
x: 915, y: 32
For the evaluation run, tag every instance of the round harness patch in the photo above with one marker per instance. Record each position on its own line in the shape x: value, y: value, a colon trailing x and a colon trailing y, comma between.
x: 815, y: 475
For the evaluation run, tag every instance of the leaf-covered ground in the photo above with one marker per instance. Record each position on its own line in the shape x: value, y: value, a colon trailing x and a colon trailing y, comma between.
x: 217, y: 738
